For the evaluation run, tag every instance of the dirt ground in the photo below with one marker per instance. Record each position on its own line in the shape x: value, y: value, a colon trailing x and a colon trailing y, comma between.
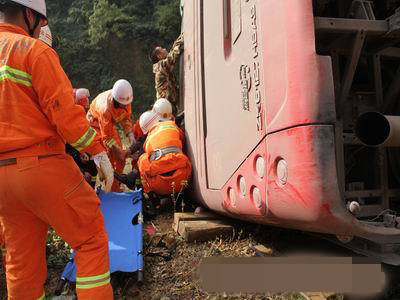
x: 172, y: 266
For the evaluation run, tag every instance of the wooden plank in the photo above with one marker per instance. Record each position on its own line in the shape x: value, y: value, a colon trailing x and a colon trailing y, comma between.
x: 191, y: 216
x: 204, y: 230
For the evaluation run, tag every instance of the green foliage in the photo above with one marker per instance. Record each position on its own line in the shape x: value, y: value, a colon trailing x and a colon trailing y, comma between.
x: 167, y: 16
x: 107, y: 19
x: 100, y: 41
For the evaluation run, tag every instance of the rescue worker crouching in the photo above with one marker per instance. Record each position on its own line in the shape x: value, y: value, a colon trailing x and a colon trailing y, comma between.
x: 108, y: 110
x: 164, y: 110
x: 40, y: 186
x: 164, y: 169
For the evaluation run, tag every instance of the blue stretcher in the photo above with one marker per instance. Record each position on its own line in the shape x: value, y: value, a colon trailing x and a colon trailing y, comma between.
x: 124, y: 223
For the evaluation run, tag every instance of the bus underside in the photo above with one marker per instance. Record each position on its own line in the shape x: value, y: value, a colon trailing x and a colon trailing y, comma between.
x: 363, y: 40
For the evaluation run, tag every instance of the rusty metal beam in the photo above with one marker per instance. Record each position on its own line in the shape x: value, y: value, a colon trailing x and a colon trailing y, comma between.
x: 350, y: 70
x: 376, y: 64
x: 339, y: 25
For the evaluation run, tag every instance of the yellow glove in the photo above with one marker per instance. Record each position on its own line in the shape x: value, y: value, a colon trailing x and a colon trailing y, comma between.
x: 106, y: 170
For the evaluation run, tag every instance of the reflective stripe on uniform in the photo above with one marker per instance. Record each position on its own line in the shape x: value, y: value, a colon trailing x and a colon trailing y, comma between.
x: 16, y: 76
x: 93, y: 281
x: 42, y: 297
x: 110, y: 143
x: 158, y: 131
x: 85, y: 140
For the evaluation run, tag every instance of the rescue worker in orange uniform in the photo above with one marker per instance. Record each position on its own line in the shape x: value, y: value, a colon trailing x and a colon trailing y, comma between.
x: 164, y: 168
x: 137, y: 131
x: 108, y: 110
x: 163, y: 108
x: 81, y: 97
x: 40, y: 185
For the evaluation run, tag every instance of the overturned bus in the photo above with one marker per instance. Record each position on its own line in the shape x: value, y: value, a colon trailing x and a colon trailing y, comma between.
x: 292, y: 115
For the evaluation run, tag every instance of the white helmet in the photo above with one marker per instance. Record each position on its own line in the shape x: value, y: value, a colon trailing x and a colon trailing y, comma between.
x: 82, y: 93
x: 36, y: 5
x: 163, y: 108
x: 147, y: 120
x: 122, y: 92
x: 45, y: 36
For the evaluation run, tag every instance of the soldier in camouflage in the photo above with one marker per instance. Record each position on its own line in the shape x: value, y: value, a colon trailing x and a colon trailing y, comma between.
x: 163, y: 66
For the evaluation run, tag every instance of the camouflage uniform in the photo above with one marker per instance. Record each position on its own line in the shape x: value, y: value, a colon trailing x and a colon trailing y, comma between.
x: 165, y: 81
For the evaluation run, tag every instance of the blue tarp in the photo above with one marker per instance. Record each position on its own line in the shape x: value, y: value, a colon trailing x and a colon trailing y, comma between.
x: 124, y: 223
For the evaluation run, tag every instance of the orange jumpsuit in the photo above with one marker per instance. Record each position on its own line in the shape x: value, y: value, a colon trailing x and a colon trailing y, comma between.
x: 176, y: 165
x: 137, y: 131
x: 40, y: 186
x: 104, y: 117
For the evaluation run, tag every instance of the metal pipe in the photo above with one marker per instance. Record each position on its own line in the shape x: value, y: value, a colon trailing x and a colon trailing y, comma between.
x: 374, y: 129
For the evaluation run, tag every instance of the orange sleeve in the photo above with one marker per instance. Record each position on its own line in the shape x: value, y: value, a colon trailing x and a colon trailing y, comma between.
x: 127, y: 122
x: 137, y: 131
x: 55, y: 97
x: 107, y: 129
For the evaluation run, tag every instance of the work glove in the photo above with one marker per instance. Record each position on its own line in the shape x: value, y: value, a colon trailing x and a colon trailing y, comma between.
x: 131, y: 138
x: 106, y: 170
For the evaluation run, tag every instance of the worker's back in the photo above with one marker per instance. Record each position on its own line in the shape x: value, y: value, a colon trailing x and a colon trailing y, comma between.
x: 99, y: 105
x: 101, y: 108
x: 165, y: 134
x: 30, y: 102
x: 22, y: 123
